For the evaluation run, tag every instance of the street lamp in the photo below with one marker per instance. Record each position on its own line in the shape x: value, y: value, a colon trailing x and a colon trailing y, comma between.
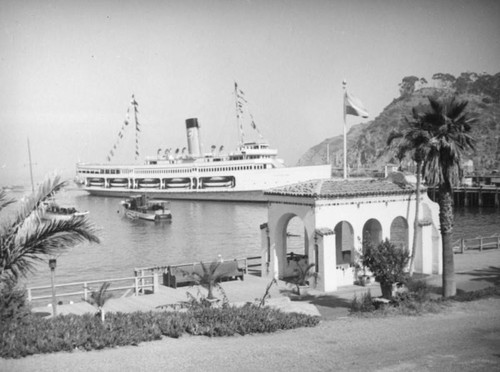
x: 52, y: 266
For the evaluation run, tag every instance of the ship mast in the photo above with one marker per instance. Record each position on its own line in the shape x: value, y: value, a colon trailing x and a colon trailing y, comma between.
x: 239, y: 111
x: 31, y: 167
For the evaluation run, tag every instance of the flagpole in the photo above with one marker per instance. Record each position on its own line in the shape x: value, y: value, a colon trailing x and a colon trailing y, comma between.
x: 344, y: 86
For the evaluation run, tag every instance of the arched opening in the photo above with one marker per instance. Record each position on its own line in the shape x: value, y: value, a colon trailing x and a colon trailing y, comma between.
x: 344, y: 243
x: 296, y: 237
x: 294, y: 245
x: 372, y: 232
x: 399, y: 232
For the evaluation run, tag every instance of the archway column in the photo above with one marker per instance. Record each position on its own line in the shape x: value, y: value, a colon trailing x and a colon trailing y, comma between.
x: 327, y: 280
x: 424, y: 257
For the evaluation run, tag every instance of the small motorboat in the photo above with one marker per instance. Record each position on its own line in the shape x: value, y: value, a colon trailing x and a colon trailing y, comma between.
x: 54, y: 211
x: 147, y: 209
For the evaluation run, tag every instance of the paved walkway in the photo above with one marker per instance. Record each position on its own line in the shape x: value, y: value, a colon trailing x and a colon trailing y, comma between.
x: 474, y: 270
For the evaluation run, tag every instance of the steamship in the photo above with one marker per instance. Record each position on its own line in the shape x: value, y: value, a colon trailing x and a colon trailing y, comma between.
x: 241, y: 175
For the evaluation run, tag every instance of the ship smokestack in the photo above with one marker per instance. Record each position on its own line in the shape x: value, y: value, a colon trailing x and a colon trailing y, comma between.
x: 193, y: 137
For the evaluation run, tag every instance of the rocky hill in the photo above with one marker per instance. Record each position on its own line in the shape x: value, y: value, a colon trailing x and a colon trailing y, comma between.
x: 366, y: 143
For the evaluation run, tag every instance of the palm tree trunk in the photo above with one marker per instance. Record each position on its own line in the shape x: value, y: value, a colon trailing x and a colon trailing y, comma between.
x: 446, y: 222
x: 415, y: 223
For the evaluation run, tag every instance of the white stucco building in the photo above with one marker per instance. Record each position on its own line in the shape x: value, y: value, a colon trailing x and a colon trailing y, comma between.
x: 336, y: 214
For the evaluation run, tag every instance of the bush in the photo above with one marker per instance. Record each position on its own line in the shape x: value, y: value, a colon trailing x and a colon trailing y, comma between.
x: 34, y: 335
x: 13, y: 302
x: 386, y: 262
x: 363, y: 305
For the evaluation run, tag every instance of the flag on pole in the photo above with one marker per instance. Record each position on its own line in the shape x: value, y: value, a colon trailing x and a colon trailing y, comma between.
x: 353, y: 106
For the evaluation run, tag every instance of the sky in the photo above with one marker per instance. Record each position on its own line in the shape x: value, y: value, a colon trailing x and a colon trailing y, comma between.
x: 68, y: 70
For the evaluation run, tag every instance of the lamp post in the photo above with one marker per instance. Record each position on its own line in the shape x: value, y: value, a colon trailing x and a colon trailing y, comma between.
x: 52, y: 265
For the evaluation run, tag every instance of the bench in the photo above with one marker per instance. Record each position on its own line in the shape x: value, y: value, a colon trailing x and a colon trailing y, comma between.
x: 190, y: 274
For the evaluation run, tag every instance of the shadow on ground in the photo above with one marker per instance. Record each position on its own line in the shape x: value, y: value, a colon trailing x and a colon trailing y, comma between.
x: 489, y: 275
x: 329, y: 306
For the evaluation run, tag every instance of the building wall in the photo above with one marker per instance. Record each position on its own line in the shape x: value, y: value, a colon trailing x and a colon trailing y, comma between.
x: 324, y: 214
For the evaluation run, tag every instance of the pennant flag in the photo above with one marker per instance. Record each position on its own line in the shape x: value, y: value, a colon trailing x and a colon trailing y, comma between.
x: 353, y: 106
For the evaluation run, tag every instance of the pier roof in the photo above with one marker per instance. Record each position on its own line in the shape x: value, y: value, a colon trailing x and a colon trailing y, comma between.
x: 332, y: 188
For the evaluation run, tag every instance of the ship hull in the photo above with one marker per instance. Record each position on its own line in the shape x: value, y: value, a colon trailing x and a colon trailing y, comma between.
x: 224, y: 181
x: 209, y: 195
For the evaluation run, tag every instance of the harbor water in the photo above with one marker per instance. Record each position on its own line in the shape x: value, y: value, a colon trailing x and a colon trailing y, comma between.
x: 198, y: 231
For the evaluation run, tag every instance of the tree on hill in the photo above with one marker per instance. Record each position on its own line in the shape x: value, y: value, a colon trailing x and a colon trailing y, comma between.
x: 449, y: 125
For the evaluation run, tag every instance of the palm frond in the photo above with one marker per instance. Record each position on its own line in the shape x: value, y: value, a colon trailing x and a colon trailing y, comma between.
x: 99, y: 297
x: 5, y: 199
x: 29, y: 238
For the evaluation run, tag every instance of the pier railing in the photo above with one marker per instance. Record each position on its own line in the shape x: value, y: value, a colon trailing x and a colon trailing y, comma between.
x: 135, y: 285
x: 248, y: 263
x: 479, y: 243
x: 145, y: 280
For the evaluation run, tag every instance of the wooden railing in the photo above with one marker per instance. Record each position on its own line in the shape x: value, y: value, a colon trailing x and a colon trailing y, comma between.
x: 145, y: 280
x: 149, y: 270
x: 82, y: 290
x: 479, y: 243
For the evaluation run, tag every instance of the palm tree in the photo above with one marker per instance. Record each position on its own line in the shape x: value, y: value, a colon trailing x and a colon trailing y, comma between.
x: 413, y: 141
x: 28, y: 238
x: 210, y: 277
x: 99, y: 298
x: 449, y: 125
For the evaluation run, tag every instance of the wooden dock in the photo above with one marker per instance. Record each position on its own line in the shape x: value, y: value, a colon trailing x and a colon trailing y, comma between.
x: 472, y: 196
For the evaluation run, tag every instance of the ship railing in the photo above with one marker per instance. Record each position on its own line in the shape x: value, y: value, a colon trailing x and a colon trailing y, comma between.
x: 480, y: 243
x: 137, y: 285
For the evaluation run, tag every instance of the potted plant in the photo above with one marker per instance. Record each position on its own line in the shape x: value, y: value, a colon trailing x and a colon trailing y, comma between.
x: 302, y: 276
x: 360, y: 270
x: 387, y: 263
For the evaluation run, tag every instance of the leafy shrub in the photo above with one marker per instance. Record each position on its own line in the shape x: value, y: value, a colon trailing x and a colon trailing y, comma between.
x: 478, y: 294
x: 34, y: 335
x: 13, y: 303
x: 362, y: 305
x: 386, y: 261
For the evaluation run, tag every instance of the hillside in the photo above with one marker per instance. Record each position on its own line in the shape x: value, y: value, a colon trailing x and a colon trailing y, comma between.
x: 366, y: 143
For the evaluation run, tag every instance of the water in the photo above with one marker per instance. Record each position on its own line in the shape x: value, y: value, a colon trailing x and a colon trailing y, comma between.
x: 198, y: 231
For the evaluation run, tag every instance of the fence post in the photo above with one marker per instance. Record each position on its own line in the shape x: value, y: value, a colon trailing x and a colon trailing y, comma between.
x: 142, y: 281
x: 462, y: 245
x: 136, y: 286
x: 85, y: 291
x: 480, y: 244
x: 156, y: 282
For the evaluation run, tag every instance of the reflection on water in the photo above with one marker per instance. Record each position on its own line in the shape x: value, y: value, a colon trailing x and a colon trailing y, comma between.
x: 475, y: 222
x: 198, y: 231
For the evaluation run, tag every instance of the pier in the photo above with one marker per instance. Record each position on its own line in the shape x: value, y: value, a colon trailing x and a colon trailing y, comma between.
x: 480, y: 243
x: 472, y: 196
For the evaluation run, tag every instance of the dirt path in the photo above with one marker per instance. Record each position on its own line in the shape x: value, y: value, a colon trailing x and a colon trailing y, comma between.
x: 465, y: 337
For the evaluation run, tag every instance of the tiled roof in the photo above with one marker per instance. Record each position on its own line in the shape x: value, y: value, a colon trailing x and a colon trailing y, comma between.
x: 332, y: 188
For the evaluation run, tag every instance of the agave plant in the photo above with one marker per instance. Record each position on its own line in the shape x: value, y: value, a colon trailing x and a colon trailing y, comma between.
x: 28, y: 238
